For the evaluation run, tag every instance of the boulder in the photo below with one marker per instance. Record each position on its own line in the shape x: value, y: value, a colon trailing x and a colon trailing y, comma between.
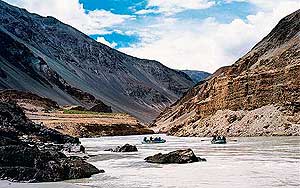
x: 24, y: 155
x: 25, y: 163
x: 178, y: 156
x: 52, y: 135
x: 125, y: 148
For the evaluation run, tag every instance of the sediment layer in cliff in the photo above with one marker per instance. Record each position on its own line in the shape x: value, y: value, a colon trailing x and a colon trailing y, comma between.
x: 257, y: 95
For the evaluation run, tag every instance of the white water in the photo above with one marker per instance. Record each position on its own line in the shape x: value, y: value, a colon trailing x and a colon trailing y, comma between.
x: 249, y: 162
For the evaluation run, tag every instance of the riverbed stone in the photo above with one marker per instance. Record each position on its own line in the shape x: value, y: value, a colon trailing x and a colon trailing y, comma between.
x: 178, y: 156
x: 125, y: 148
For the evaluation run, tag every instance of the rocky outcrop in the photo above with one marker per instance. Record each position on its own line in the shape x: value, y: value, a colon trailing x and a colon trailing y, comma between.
x: 35, y: 60
x: 25, y: 156
x: 26, y: 163
x: 125, y: 148
x: 14, y: 123
x: 178, y: 156
x: 101, y: 107
x: 27, y: 97
x: 252, y: 97
x: 78, y: 108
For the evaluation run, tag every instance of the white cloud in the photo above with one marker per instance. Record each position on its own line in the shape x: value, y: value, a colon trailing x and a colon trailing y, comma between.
x: 170, y: 7
x: 103, y: 41
x: 103, y: 19
x: 265, y: 4
x: 207, y: 45
x: 146, y: 11
x: 73, y: 13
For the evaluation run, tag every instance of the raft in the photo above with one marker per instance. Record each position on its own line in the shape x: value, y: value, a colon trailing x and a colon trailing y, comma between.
x: 218, y: 141
x: 154, y: 141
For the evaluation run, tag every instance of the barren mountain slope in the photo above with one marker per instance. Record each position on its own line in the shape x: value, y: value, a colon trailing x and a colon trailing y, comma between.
x: 196, y: 76
x: 257, y: 95
x: 57, y: 52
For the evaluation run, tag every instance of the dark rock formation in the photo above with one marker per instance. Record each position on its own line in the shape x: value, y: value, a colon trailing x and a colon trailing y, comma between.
x: 25, y: 163
x: 101, y: 107
x: 27, y: 97
x: 14, y: 123
x: 24, y: 155
x: 243, y: 99
x: 125, y: 148
x: 178, y: 156
x: 78, y: 108
x: 81, y: 70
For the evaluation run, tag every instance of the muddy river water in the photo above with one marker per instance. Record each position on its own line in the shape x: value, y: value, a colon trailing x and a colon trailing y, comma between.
x: 247, y: 162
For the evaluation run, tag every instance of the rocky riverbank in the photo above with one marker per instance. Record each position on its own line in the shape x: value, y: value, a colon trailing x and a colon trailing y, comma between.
x: 269, y: 120
x: 32, y: 153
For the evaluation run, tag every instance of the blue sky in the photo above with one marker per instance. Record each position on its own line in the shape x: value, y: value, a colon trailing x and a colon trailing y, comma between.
x: 222, y: 12
x: 182, y: 34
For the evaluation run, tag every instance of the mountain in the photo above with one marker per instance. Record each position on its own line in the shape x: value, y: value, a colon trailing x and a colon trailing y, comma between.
x: 196, y: 76
x: 54, y: 60
x: 257, y: 95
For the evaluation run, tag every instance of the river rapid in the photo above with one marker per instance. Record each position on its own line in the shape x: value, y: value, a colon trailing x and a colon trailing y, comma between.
x: 241, y: 163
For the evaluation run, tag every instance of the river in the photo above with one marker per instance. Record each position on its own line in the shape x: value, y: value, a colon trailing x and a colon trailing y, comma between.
x: 248, y: 162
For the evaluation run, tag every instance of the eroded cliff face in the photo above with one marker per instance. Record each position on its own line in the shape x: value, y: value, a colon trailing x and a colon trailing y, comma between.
x: 243, y: 99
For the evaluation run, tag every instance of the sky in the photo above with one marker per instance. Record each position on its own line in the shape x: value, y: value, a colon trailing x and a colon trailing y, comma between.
x: 181, y: 34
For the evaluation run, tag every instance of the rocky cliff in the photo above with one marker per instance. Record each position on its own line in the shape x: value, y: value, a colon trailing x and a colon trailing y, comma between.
x: 54, y: 60
x: 258, y: 95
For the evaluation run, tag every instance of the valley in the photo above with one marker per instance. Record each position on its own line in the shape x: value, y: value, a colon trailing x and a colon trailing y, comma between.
x: 90, y: 125
x: 259, y: 95
x: 76, y: 111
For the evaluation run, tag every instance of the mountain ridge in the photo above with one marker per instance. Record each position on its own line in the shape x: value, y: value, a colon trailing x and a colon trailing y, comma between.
x: 257, y: 95
x: 196, y: 75
x: 139, y: 87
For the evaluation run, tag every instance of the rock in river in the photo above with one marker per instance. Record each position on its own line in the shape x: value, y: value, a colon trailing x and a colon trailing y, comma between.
x: 125, y: 148
x: 178, y: 156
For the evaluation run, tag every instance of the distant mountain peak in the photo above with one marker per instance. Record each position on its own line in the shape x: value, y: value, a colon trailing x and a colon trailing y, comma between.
x: 196, y: 75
